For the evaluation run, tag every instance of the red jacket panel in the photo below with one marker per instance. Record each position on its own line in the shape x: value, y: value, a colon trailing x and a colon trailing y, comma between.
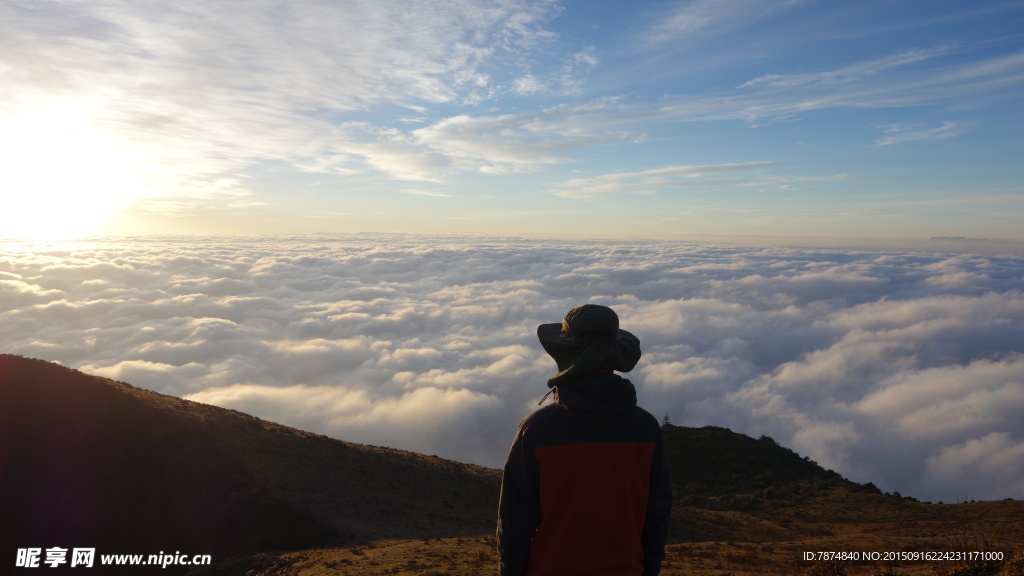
x: 582, y: 529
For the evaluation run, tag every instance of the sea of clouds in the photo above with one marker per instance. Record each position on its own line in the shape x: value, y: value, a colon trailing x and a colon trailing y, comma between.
x: 901, y: 368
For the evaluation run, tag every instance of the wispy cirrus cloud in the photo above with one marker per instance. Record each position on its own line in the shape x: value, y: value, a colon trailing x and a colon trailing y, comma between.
x: 525, y: 142
x: 431, y: 193
x: 901, y: 133
x: 654, y: 179
x: 566, y: 79
x: 856, y: 72
x: 465, y: 143
x: 907, y: 79
x: 529, y: 141
x: 711, y: 16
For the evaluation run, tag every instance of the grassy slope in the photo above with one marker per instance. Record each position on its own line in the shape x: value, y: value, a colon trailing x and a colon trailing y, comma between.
x: 135, y: 468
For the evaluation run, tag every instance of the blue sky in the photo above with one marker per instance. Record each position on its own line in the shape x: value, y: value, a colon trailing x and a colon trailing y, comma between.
x: 667, y: 119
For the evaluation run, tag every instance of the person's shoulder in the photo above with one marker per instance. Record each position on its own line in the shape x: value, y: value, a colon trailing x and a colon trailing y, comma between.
x: 541, y: 423
x: 540, y: 416
x: 648, y: 420
x: 646, y: 415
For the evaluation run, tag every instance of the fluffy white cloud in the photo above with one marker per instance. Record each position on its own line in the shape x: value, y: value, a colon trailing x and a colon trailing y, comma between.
x: 993, y: 462
x: 901, y: 368
x: 415, y: 420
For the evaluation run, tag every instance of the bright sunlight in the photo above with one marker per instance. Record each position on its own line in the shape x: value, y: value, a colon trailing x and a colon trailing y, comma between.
x: 62, y: 177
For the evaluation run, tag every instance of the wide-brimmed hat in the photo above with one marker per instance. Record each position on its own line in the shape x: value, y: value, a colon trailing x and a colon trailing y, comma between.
x: 588, y: 338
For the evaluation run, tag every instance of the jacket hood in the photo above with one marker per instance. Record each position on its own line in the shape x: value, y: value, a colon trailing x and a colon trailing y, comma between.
x: 596, y: 398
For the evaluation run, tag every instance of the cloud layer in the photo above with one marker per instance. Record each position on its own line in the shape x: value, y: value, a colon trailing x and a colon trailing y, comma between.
x: 904, y: 369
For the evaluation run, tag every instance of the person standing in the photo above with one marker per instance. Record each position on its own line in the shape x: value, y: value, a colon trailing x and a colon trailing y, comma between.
x: 585, y: 489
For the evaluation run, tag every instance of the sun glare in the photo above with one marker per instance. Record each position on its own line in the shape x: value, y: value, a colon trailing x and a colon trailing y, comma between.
x: 61, y: 177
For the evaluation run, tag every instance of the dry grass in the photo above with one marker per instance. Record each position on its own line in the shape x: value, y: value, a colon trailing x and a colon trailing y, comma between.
x: 774, y: 544
x: 431, y: 557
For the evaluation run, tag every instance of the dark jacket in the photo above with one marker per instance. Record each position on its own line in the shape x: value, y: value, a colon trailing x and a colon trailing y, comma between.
x: 586, y: 488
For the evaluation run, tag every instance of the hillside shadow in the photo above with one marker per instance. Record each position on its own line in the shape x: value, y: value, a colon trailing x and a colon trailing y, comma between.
x: 88, y: 461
